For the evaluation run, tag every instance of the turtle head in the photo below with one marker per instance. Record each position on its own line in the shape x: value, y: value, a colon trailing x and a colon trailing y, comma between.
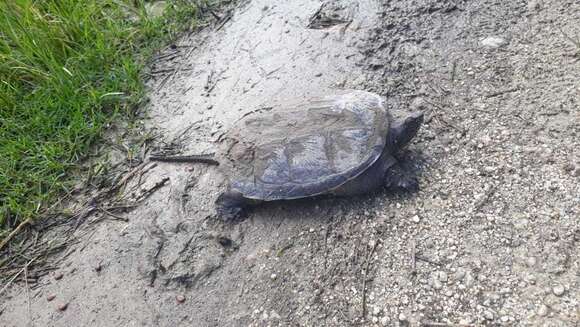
x: 231, y: 205
x: 403, y: 131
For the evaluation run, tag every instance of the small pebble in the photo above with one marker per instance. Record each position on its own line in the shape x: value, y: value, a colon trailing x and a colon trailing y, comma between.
x: 558, y: 290
x: 442, y: 276
x: 493, y: 42
x: 273, y: 276
x: 50, y: 297
x: 460, y: 274
x: 416, y: 219
x: 437, y: 284
x: 180, y: 298
x: 543, y: 310
x: 62, y: 306
x: 488, y: 315
x: 402, y: 317
x: 318, y: 75
x: 58, y: 276
x: 275, y: 315
x: 534, y: 5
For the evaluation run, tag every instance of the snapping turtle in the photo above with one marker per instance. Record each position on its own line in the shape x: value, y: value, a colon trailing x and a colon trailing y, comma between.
x: 343, y: 144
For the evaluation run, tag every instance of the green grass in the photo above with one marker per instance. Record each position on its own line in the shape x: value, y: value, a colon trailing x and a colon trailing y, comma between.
x: 67, y: 68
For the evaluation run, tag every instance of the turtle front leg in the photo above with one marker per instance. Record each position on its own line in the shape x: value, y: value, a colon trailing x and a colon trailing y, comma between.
x: 231, y: 205
x: 398, y: 179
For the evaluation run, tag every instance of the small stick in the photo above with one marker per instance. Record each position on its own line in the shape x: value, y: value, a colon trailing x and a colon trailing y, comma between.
x: 182, y: 63
x: 148, y: 192
x: 163, y: 56
x: 224, y: 21
x: 485, y: 198
x: 163, y: 81
x: 413, y: 258
x: 14, y: 232
x: 428, y: 323
x: 27, y: 295
x: 216, y: 16
x: 500, y: 92
x: 162, y: 71
x: 364, y: 293
x: 121, y: 206
x: 434, y: 324
x: 422, y: 258
x: 191, y: 158
x: 16, y: 275
x: 453, y: 70
x: 110, y: 214
x: 569, y: 38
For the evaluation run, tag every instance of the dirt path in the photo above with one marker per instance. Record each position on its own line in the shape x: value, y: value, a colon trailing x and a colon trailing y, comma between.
x: 494, y: 232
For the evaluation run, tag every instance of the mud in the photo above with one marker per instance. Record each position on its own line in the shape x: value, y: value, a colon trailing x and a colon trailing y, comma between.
x: 492, y: 238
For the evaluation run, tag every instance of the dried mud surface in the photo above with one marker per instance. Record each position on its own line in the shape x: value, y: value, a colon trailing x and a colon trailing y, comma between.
x: 492, y: 238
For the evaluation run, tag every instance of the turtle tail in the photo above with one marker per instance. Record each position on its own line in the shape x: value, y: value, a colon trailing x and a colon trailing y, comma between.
x: 200, y: 158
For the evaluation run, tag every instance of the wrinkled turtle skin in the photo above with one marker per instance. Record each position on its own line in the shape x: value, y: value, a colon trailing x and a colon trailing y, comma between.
x: 341, y: 144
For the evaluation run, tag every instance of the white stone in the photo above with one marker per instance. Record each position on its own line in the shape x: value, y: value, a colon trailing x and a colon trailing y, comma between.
x: 493, y: 42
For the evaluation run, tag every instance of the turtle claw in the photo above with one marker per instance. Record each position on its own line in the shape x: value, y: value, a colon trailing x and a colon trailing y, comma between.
x: 407, y: 183
x: 399, y: 180
x: 231, y: 206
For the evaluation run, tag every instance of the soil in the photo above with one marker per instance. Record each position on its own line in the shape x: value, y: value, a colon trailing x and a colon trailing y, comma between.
x: 492, y: 237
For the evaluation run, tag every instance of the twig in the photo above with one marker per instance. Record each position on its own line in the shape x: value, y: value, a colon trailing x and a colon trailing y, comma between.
x: 121, y: 206
x: 27, y: 295
x: 448, y: 123
x: 241, y: 290
x: 128, y: 176
x: 167, y: 55
x: 155, y: 187
x: 87, y: 241
x: 428, y: 323
x: 225, y: 19
x: 364, y: 292
x: 110, y: 214
x: 413, y: 258
x: 434, y: 324
x: 425, y: 259
x: 485, y: 198
x: 163, y: 81
x: 17, y: 274
x: 316, y: 14
x: 162, y: 71
x: 216, y: 16
x: 500, y: 92
x: 14, y: 232
x: 203, y: 158
x: 453, y: 70
x: 184, y: 59
x: 575, y: 42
